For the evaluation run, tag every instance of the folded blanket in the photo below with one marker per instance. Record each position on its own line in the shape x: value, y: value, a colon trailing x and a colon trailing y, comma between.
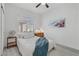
x: 41, y: 47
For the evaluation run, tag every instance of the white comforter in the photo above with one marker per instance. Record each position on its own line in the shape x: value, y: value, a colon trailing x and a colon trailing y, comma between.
x: 27, y: 46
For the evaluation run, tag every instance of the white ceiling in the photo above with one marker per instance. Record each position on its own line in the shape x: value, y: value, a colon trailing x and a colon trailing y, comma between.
x: 31, y: 7
x: 42, y: 8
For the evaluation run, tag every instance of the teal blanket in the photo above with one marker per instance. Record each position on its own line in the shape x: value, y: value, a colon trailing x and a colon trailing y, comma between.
x: 41, y: 47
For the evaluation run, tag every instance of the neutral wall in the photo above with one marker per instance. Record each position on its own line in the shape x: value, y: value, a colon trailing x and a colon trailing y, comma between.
x: 13, y: 14
x: 69, y: 35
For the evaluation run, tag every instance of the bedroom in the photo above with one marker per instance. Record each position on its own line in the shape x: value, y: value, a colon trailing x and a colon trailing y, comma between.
x: 15, y: 17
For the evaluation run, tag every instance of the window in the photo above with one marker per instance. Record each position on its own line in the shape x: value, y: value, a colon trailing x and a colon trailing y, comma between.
x: 25, y: 27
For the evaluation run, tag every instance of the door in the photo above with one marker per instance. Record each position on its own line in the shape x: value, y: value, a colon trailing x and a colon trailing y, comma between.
x: 0, y: 31
x: 1, y: 28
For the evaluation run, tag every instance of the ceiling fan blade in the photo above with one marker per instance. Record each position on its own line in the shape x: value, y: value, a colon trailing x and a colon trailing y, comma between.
x: 47, y: 5
x: 38, y: 5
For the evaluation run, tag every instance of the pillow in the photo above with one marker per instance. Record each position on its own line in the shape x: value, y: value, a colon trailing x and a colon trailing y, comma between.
x: 26, y: 35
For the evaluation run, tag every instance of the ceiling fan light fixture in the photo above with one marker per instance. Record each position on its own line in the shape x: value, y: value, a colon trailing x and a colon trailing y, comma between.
x: 38, y: 5
x: 47, y: 6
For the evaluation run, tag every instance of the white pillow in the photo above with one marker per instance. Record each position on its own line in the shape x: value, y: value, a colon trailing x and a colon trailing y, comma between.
x: 26, y: 35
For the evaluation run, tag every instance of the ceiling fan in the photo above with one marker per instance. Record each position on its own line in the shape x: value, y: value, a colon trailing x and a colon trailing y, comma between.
x: 47, y: 6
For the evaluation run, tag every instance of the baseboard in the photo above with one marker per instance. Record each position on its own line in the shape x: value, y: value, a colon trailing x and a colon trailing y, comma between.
x: 69, y: 48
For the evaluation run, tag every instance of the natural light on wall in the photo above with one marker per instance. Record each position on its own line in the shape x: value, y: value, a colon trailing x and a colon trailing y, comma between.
x: 39, y: 30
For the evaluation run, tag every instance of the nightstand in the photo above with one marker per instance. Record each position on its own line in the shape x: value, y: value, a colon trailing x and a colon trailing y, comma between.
x: 11, y: 41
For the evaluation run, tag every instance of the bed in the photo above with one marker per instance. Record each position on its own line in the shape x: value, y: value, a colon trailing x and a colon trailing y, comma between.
x: 26, y: 46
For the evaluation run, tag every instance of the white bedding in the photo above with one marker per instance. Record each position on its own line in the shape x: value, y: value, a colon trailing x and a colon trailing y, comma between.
x: 27, y: 46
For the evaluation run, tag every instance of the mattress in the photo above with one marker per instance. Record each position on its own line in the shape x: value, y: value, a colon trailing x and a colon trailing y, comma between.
x: 27, y: 46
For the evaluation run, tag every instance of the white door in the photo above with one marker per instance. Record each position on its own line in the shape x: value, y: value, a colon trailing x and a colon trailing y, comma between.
x: 0, y: 31
x: 3, y: 26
